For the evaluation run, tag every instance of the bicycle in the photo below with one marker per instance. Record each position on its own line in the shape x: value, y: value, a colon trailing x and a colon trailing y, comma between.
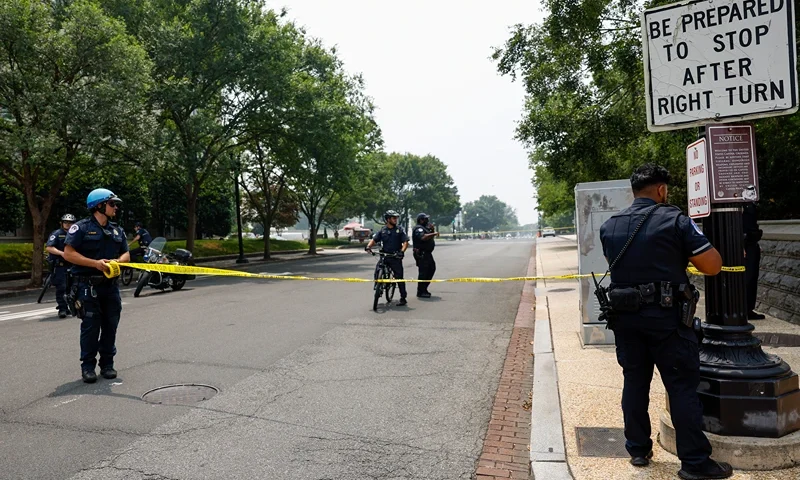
x: 383, y: 272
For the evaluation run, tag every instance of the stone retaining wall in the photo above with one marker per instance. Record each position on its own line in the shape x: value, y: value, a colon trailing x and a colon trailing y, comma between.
x: 779, y: 280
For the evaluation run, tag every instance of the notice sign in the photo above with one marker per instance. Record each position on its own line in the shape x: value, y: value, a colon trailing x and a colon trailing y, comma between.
x: 697, y: 180
x: 716, y: 60
x: 734, y: 175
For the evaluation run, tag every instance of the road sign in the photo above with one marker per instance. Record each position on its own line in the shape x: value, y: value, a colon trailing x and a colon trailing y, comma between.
x: 718, y: 60
x: 733, y: 163
x: 697, y: 180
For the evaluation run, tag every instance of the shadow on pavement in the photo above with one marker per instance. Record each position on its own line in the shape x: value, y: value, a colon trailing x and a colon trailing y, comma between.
x: 102, y: 387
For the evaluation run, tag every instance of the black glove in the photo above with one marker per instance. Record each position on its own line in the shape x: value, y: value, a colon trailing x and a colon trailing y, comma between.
x: 401, y: 255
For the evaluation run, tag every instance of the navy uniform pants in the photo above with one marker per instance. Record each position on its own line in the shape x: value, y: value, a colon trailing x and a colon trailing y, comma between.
x: 60, y: 282
x: 101, y: 307
x: 427, y: 267
x: 675, y: 353
x: 752, y: 261
x: 396, y: 266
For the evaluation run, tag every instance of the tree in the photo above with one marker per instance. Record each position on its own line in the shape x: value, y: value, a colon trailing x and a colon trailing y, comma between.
x: 340, y: 131
x: 217, y: 63
x: 72, y: 82
x: 489, y: 213
x: 584, y: 116
x: 410, y: 184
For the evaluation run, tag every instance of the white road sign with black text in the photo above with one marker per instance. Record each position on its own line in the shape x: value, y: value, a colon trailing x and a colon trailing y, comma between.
x: 718, y: 60
x: 697, y: 180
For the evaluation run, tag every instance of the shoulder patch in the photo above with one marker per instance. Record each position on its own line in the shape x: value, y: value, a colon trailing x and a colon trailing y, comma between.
x: 696, y: 228
x: 73, y: 228
x: 52, y: 237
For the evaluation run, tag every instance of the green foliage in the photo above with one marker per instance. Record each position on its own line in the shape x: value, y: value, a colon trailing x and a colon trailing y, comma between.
x: 489, y: 213
x: 409, y: 184
x: 72, y: 87
x: 16, y: 257
x: 13, y: 208
x: 584, y: 117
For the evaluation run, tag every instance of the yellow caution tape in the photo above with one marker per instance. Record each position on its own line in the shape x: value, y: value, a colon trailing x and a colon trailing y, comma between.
x: 187, y: 270
x: 113, y: 270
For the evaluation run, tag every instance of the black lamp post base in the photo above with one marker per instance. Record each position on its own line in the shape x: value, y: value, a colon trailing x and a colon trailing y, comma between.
x: 768, y: 407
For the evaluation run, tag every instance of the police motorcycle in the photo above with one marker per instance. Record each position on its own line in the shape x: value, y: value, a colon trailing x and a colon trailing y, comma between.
x: 162, y: 281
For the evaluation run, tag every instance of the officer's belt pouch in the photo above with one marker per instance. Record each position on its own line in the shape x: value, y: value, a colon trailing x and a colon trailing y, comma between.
x: 627, y: 299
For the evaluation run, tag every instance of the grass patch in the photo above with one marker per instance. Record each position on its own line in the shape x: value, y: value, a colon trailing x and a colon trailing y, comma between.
x: 212, y: 248
x: 16, y: 257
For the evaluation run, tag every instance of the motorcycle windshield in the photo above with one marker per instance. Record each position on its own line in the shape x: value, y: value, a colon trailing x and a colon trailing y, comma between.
x: 158, y: 244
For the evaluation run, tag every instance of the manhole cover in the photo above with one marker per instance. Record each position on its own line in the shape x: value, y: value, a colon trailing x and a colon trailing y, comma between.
x: 185, y: 394
x: 557, y: 290
x: 601, y: 442
x: 769, y: 339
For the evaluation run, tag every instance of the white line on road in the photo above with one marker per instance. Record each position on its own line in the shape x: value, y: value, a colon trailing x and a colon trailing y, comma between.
x: 32, y: 313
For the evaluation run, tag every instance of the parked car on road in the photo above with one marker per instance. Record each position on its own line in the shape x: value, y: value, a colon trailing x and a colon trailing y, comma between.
x: 548, y: 232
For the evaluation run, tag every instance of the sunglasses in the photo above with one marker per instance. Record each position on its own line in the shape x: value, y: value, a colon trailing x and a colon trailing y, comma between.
x: 114, y: 204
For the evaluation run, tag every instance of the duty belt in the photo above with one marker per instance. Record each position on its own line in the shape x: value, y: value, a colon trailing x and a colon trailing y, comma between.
x: 95, y: 280
x: 652, y: 293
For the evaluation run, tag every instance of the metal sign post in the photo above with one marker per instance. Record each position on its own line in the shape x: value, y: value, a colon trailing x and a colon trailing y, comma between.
x: 707, y: 62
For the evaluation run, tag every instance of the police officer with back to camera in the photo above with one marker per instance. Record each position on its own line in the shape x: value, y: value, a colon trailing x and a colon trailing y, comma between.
x: 393, y: 239
x: 752, y: 251
x: 652, y: 306
x: 144, y: 239
x: 55, y: 248
x: 424, y: 244
x: 91, y: 244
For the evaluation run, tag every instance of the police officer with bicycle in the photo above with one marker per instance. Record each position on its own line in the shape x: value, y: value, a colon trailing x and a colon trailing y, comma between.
x: 90, y: 245
x: 651, y: 306
x: 393, y: 239
x: 144, y: 239
x: 424, y: 244
x: 60, y: 267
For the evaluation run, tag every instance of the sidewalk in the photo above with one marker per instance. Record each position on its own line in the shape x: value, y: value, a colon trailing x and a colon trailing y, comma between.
x: 15, y: 288
x: 590, y: 380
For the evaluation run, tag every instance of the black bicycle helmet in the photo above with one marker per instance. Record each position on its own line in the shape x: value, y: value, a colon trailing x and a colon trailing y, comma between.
x: 422, y: 216
x: 389, y: 214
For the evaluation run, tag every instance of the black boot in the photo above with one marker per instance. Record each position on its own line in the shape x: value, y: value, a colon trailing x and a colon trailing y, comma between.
x: 708, y: 470
x: 402, y: 302
x: 62, y: 313
x: 89, y: 376
x: 642, y: 461
x: 108, y: 373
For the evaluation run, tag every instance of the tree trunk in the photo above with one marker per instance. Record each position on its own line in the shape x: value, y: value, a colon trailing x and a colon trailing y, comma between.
x: 267, y: 246
x: 191, y: 220
x: 37, y: 266
x: 312, y: 237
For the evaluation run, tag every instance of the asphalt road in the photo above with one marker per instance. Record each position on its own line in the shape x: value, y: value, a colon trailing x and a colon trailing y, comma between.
x: 313, y: 384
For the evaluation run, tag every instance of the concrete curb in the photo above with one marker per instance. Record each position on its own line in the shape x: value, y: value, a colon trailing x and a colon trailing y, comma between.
x: 30, y: 291
x: 548, y: 453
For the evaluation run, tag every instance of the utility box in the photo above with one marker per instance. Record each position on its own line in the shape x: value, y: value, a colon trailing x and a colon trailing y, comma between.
x: 595, y: 202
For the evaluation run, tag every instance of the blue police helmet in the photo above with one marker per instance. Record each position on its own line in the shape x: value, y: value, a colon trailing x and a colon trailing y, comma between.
x: 100, y: 195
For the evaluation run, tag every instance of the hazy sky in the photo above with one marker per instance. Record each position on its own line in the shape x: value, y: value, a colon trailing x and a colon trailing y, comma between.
x: 426, y: 65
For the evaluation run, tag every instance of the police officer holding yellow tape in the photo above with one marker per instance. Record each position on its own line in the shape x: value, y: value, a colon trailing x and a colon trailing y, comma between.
x: 90, y: 245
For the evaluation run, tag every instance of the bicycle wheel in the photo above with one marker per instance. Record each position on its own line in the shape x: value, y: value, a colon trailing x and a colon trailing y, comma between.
x: 389, y: 287
x: 45, y: 286
x: 378, y: 292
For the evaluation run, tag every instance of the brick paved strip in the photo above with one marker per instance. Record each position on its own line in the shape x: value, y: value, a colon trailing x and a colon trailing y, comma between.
x: 506, y: 446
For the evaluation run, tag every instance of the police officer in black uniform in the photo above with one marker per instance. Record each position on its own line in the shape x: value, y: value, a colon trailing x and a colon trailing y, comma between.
x: 91, y: 244
x: 752, y: 252
x: 55, y: 248
x: 144, y: 239
x: 648, y: 286
x: 424, y: 244
x: 393, y: 239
